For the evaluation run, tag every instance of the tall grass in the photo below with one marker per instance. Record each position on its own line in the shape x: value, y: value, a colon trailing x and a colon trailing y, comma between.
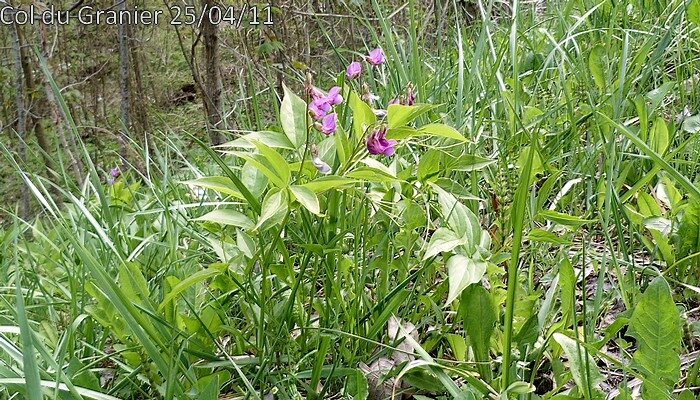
x: 117, y: 290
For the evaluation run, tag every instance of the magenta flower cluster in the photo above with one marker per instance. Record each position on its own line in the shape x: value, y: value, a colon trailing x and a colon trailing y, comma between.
x: 375, y: 58
x: 321, y: 107
x: 377, y: 143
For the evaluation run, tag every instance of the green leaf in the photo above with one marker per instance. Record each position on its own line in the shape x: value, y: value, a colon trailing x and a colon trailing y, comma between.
x: 542, y: 236
x: 693, y: 12
x: 362, y: 115
x: 401, y: 132
x: 293, y: 117
x: 357, y: 386
x: 273, y: 209
x: 459, y: 218
x: 226, y: 216
x: 656, y: 324
x: 659, y: 136
x: 441, y: 130
x: 692, y: 124
x: 325, y: 183
x: 276, y: 161
x: 429, y: 165
x: 29, y: 364
x: 479, y: 314
x: 187, y: 283
x: 564, y: 219
x: 219, y: 184
x: 400, y: 115
x: 583, y: 367
x: 687, y: 239
x: 470, y: 162
x: 462, y: 272
x: 442, y: 239
x: 307, y: 198
x: 597, y: 66
x: 269, y: 138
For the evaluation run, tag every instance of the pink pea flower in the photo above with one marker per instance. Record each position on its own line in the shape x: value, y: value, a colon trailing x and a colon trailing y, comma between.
x: 377, y: 143
x: 376, y: 57
x: 319, y: 108
x: 334, y: 98
x: 329, y: 124
x: 354, y: 70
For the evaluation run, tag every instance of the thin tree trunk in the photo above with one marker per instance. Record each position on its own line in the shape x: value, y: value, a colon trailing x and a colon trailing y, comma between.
x: 124, y: 86
x: 212, y: 79
x: 21, y: 126
x: 34, y: 120
x: 69, y: 146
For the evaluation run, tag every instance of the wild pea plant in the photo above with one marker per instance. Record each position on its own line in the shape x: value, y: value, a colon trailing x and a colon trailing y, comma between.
x: 341, y: 166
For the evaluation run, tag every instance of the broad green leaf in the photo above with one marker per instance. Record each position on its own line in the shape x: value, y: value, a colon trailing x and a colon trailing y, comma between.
x: 402, y: 132
x: 400, y: 115
x: 543, y: 236
x: 567, y: 282
x: 470, y: 162
x: 596, y: 64
x: 374, y: 164
x: 657, y: 95
x: 693, y: 12
x: 443, y: 239
x: 269, y: 138
x: 362, y: 115
x: 187, y: 283
x: 656, y: 324
x: 307, y: 198
x: 687, y: 239
x: 535, y: 162
x: 429, y: 165
x: 219, y: 184
x: 564, y: 219
x: 459, y: 218
x: 325, y: 183
x: 583, y: 367
x: 357, y: 386
x: 479, y: 314
x: 226, y: 216
x: 462, y: 271
x: 293, y: 116
x: 253, y: 179
x: 273, y: 209
x: 278, y: 163
x: 133, y: 283
x: 659, y: 136
x: 692, y: 124
x: 441, y: 130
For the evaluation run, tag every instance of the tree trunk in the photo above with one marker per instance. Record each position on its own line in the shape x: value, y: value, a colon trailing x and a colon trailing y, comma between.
x: 34, y: 120
x: 212, y: 79
x: 21, y: 126
x: 124, y: 87
x: 69, y: 145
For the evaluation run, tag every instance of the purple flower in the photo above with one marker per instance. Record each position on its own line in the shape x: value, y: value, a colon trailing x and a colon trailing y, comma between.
x: 322, y: 104
x: 354, y: 70
x: 329, y: 124
x: 319, y: 107
x: 376, y: 57
x: 394, y: 101
x: 334, y: 98
x: 115, y: 172
x: 377, y: 143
